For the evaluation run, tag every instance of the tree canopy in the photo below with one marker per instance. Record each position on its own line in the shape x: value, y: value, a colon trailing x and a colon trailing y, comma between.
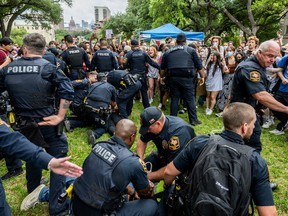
x: 43, y: 12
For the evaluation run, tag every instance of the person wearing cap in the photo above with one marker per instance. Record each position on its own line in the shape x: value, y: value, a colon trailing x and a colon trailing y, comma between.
x: 99, y: 103
x: 77, y: 106
x: 136, y: 61
x: 169, y: 133
x: 103, y: 60
x: 74, y: 57
x: 108, y: 171
x: 180, y: 64
x: 216, y: 46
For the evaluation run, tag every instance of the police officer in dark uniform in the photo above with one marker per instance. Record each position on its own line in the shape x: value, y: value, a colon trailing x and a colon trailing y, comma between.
x: 101, y: 99
x: 250, y: 85
x: 103, y: 60
x: 136, y: 61
x: 81, y: 88
x: 169, y: 134
x: 99, y: 191
x: 14, y: 143
x: 180, y: 64
x: 238, y: 119
x: 74, y: 57
x: 127, y: 86
x: 32, y: 84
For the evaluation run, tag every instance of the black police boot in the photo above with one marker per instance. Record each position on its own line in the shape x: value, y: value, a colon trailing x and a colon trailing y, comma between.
x: 196, y: 122
x: 91, y: 138
x: 12, y: 173
x: 67, y: 126
x: 273, y: 186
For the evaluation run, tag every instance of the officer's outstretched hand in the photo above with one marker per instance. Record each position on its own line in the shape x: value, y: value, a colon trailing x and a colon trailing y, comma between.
x: 51, y: 120
x: 62, y: 166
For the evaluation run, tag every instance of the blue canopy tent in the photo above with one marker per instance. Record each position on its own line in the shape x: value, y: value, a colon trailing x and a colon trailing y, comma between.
x: 169, y: 30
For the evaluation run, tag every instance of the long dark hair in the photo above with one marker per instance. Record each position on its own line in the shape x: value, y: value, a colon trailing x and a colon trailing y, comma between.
x: 217, y: 64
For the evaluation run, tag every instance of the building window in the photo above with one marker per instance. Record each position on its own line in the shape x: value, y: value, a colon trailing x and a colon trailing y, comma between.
x: 104, y: 13
x: 96, y: 15
x: 28, y: 27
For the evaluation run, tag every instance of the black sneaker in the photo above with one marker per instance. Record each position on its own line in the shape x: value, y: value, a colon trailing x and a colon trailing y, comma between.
x: 12, y: 173
x: 196, y: 122
x: 91, y: 138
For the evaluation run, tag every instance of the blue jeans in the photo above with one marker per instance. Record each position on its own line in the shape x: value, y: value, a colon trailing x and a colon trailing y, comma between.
x: 45, y: 192
x: 4, y: 207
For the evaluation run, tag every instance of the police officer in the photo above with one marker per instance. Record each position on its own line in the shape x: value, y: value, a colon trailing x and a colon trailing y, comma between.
x: 16, y: 144
x: 100, y: 99
x: 103, y: 60
x: 32, y: 84
x: 74, y: 57
x: 127, y: 87
x: 100, y: 191
x: 81, y: 88
x: 238, y: 120
x: 250, y: 85
x: 169, y: 134
x: 181, y: 64
x: 136, y: 61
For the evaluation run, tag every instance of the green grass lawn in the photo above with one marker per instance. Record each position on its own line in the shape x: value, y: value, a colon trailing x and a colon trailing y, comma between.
x: 275, y: 152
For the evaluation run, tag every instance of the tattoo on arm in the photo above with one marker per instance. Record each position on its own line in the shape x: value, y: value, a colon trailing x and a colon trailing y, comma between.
x: 66, y: 104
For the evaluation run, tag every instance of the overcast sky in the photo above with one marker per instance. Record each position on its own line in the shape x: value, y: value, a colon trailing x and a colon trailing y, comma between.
x: 84, y: 9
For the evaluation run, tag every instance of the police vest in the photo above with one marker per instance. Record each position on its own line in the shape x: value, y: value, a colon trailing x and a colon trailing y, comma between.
x: 74, y: 58
x: 99, y: 93
x: 116, y: 78
x: 238, y: 92
x: 179, y: 57
x: 103, y: 60
x: 137, y: 62
x: 96, y: 187
x: 27, y: 89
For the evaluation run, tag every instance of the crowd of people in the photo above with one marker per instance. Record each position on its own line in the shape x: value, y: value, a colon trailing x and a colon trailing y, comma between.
x: 100, y: 81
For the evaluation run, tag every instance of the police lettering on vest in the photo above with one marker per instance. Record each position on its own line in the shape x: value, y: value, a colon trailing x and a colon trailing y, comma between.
x: 103, y: 54
x: 73, y: 51
x: 23, y: 69
x: 105, y: 154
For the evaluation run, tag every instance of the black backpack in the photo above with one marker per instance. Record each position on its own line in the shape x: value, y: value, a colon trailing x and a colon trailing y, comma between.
x: 220, y: 180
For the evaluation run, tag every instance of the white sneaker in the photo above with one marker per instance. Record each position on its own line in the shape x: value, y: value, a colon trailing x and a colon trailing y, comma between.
x: 277, y: 132
x: 160, y: 106
x: 268, y: 123
x: 206, y: 110
x: 150, y: 100
x: 209, y: 112
x: 31, y: 199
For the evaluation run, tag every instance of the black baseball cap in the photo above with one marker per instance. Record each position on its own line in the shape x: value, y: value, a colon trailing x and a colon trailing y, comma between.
x: 148, y: 117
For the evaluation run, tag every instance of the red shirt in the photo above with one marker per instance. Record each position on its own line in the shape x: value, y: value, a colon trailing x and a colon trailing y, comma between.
x: 3, y: 55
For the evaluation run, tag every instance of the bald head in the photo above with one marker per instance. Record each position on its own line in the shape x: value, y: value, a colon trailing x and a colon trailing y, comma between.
x: 270, y: 44
x: 124, y: 129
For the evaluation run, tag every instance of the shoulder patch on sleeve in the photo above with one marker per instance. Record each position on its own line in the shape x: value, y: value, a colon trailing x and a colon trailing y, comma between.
x: 143, y: 165
x: 1, y: 122
x: 78, y: 81
x: 255, y: 76
x: 174, y: 143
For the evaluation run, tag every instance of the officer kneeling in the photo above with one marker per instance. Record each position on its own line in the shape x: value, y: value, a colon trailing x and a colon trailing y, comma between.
x: 101, y: 189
